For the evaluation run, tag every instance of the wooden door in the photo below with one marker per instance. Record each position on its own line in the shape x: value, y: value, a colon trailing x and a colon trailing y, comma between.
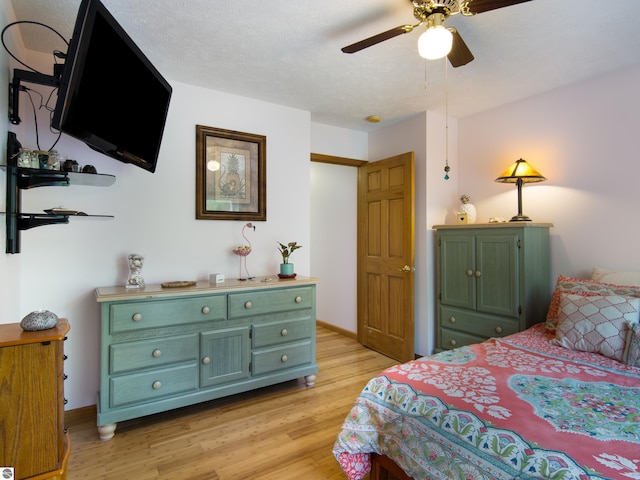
x: 386, y: 256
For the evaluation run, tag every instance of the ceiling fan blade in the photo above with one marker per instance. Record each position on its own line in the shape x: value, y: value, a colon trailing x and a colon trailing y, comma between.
x: 381, y: 37
x: 460, y: 53
x: 479, y: 6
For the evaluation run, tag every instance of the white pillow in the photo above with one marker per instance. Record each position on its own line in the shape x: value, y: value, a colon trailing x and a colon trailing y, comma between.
x: 596, y: 324
x: 606, y: 275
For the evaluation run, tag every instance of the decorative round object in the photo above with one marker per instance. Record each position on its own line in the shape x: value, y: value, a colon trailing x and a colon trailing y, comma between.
x: 39, y: 320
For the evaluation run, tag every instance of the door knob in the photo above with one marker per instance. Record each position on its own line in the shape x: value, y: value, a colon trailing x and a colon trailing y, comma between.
x: 406, y: 268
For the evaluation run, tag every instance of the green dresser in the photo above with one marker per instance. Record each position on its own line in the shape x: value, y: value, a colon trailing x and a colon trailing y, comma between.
x: 165, y: 348
x: 492, y: 280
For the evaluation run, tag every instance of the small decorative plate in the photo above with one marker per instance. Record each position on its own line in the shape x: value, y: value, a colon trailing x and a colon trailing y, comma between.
x: 180, y: 284
x: 282, y: 275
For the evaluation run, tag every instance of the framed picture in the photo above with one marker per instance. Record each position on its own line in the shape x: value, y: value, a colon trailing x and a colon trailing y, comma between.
x: 230, y: 175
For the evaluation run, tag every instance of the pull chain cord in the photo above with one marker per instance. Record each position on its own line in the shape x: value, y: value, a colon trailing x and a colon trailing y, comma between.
x: 447, y: 169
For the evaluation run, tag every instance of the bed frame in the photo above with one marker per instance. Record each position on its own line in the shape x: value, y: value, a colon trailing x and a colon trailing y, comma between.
x: 383, y: 468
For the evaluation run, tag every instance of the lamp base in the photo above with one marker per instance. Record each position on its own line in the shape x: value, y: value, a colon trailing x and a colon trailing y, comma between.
x: 520, y: 218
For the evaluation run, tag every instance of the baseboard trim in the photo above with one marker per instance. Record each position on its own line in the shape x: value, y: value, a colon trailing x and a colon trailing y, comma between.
x: 80, y: 415
x: 336, y: 329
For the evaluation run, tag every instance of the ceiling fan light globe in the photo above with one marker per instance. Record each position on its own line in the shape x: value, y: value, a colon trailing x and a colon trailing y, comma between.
x: 435, y: 42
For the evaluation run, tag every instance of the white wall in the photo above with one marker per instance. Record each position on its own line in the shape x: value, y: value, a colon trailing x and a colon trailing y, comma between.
x: 61, y: 265
x: 583, y: 139
x: 334, y: 219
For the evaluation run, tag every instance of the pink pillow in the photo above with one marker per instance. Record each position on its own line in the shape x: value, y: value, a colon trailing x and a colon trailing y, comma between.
x: 596, y: 323
x: 585, y: 288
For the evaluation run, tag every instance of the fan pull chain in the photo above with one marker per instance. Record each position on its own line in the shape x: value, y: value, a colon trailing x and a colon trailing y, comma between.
x: 425, y: 74
x: 447, y: 169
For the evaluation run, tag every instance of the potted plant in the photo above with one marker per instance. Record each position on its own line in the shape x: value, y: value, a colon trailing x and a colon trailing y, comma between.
x: 286, y: 268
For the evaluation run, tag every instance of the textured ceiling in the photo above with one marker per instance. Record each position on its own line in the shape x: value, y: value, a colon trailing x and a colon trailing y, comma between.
x: 288, y: 52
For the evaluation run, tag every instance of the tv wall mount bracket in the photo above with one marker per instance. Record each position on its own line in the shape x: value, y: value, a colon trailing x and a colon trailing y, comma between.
x: 38, y: 78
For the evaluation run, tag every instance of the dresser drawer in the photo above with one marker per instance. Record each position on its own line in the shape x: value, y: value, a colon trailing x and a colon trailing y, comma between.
x: 484, y: 326
x: 274, y: 333
x: 450, y: 339
x: 155, y: 352
x: 125, y: 317
x: 280, y: 358
x: 256, y: 303
x: 149, y: 386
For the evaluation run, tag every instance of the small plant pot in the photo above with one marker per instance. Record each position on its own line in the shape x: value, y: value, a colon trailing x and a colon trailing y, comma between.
x: 286, y: 269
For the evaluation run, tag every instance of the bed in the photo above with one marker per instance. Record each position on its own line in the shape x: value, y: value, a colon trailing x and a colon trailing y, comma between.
x: 560, y: 400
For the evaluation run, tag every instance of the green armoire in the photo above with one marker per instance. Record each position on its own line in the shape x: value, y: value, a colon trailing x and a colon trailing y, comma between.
x: 492, y: 280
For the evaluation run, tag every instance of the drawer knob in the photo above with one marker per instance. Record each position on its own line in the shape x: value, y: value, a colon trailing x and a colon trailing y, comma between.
x: 284, y: 358
x: 157, y: 353
x: 156, y: 385
x: 284, y: 332
x: 478, y: 273
x: 498, y: 329
x: 452, y: 342
x: 469, y: 272
x: 452, y: 319
x: 136, y: 317
x: 206, y: 361
x: 248, y: 305
x: 298, y: 299
x: 206, y: 310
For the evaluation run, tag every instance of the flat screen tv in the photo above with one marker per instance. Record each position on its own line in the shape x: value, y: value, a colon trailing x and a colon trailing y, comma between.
x: 110, y: 95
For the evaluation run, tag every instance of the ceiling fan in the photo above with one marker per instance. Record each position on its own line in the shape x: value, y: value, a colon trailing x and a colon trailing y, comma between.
x: 437, y: 40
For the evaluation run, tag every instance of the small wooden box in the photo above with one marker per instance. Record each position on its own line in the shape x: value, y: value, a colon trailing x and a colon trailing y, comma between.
x: 462, y: 218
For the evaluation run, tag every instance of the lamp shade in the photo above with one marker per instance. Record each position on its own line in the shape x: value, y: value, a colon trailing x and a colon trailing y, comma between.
x: 436, y: 40
x: 519, y: 173
x: 435, y: 43
x: 520, y: 170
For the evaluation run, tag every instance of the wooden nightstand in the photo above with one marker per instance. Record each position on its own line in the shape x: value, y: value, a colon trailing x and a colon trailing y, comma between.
x: 33, y: 439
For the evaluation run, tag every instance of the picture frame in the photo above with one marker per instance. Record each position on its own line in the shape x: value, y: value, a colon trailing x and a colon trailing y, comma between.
x: 231, y: 175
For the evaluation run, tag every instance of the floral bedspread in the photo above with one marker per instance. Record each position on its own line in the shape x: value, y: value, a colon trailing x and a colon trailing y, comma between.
x: 515, y: 407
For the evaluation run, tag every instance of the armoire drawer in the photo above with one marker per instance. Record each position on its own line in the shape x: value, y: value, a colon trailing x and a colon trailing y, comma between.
x: 274, y: 333
x: 256, y: 303
x: 280, y: 358
x: 125, y: 317
x: 153, y: 385
x: 450, y: 339
x: 484, y: 326
x: 155, y: 352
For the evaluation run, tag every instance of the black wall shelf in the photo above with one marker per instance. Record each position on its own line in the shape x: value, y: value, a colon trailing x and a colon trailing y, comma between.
x: 19, y: 178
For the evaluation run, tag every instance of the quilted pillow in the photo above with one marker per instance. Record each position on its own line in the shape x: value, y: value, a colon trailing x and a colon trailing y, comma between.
x: 596, y: 323
x: 632, y: 350
x: 586, y: 288
x: 607, y: 275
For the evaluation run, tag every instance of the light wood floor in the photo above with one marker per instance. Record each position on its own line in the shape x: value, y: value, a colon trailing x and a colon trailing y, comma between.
x: 282, y: 432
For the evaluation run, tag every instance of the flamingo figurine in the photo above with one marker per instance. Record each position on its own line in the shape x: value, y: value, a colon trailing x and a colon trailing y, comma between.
x: 244, y: 250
